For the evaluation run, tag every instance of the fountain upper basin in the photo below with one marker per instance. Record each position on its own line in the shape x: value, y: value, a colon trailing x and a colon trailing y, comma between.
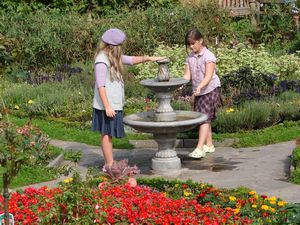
x: 146, y: 122
x: 164, y: 86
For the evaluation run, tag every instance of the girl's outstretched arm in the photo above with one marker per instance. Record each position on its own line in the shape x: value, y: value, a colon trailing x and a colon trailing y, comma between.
x: 187, y: 72
x: 143, y: 59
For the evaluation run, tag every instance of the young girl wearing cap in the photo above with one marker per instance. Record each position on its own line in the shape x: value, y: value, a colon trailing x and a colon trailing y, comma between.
x: 201, y: 69
x: 109, y: 88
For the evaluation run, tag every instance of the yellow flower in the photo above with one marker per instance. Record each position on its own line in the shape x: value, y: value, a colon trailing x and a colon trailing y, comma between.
x: 252, y: 193
x: 255, y: 196
x: 202, y: 185
x: 236, y: 211
x: 232, y: 198
x: 229, y: 110
x: 103, y: 178
x: 254, y: 206
x: 272, y: 209
x: 281, y: 203
x: 273, y: 198
x: 68, y: 180
x: 272, y: 202
x: 187, y: 193
x: 264, y: 207
x: 176, y: 185
x: 17, y: 107
x: 30, y: 102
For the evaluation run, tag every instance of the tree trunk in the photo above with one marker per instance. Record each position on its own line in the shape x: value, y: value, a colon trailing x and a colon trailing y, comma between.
x: 6, y: 198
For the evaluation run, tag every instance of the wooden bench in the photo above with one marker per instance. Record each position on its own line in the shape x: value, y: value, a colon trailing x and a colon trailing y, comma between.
x: 241, y: 8
x: 236, y: 7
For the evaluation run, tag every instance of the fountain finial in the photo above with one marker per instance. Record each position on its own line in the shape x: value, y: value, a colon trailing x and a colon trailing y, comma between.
x: 163, y: 70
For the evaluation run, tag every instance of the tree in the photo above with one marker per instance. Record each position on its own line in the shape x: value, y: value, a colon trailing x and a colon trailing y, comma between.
x: 19, y: 147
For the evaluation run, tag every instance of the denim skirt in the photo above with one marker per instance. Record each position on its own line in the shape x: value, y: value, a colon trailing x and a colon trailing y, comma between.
x: 113, y: 127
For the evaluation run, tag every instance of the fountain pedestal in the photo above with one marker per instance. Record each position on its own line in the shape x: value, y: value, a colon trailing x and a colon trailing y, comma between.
x: 166, y: 158
x: 164, y: 123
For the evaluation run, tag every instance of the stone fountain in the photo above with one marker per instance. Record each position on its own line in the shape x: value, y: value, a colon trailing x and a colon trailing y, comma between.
x: 164, y: 123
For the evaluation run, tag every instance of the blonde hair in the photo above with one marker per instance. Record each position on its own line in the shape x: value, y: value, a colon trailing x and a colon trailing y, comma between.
x: 114, y: 54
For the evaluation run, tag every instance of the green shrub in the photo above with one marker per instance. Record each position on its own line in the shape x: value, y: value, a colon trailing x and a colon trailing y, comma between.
x: 295, y: 176
x: 296, y: 158
x: 40, y: 41
x: 256, y: 115
x: 70, y: 99
x: 45, y: 40
x: 259, y: 62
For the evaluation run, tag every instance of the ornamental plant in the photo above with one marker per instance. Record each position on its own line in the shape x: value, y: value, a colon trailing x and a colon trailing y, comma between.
x: 19, y: 147
x: 119, y: 171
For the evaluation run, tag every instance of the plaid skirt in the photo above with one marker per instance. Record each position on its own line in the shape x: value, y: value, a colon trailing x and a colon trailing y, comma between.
x: 208, y: 104
x: 113, y: 127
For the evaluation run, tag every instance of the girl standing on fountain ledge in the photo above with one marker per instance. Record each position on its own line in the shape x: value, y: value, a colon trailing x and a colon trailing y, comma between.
x: 201, y: 69
x: 109, y: 88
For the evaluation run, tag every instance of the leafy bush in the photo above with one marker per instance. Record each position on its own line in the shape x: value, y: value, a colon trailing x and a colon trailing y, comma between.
x: 95, y: 7
x: 43, y: 40
x: 259, y: 61
x: 243, y: 84
x: 296, y: 158
x: 74, y: 101
x: 258, y: 114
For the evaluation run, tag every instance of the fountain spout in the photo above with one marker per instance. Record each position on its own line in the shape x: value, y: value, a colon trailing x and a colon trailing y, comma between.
x: 163, y: 70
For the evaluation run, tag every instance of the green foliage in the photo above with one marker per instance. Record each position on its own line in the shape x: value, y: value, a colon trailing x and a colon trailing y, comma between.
x: 241, y: 85
x: 46, y: 40
x: 73, y: 156
x: 20, y: 147
x: 258, y: 114
x: 176, y: 54
x: 41, y: 41
x: 138, y: 104
x: 96, y: 7
x: 296, y: 158
x: 259, y: 61
x: 276, y: 23
x: 295, y: 176
x: 43, y: 101
x: 243, y: 30
x: 30, y: 175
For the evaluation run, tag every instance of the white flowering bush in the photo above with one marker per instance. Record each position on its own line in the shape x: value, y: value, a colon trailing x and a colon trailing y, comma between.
x: 177, y: 55
x: 286, y: 67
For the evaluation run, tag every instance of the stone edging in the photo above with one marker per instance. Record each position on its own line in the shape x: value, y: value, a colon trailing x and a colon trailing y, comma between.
x: 181, y: 143
x: 57, y: 161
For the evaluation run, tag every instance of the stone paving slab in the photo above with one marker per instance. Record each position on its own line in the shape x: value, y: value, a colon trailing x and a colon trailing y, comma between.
x: 264, y: 169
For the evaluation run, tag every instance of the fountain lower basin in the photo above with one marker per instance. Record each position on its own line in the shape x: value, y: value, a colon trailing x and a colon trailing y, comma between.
x: 146, y: 122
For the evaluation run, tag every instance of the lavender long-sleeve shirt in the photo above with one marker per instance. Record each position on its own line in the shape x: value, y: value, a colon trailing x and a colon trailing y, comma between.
x: 101, y: 69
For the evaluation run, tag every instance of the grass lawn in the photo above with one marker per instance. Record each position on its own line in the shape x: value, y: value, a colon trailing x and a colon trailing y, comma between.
x: 34, y: 174
x: 29, y: 175
x: 286, y: 131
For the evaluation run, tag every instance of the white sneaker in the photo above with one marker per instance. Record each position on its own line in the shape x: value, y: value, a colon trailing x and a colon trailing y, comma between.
x: 209, y: 149
x: 197, y: 153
